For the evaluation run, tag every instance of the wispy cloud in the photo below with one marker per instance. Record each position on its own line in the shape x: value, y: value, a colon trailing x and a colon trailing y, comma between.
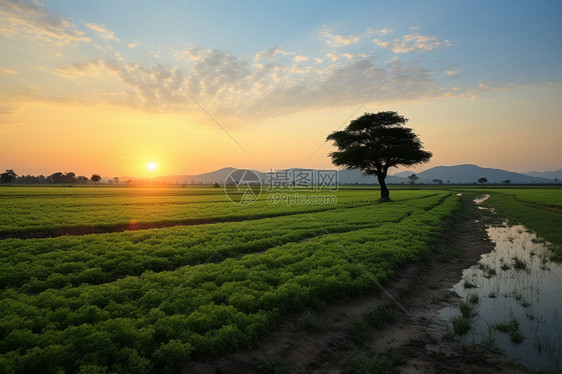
x: 7, y: 71
x: 452, y: 73
x: 269, y: 54
x: 233, y: 86
x: 336, y: 40
x: 383, y: 31
x: 102, y: 31
x: 412, y: 42
x: 31, y: 20
x: 300, y: 58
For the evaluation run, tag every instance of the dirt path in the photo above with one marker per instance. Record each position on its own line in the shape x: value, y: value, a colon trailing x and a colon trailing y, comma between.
x: 325, y: 341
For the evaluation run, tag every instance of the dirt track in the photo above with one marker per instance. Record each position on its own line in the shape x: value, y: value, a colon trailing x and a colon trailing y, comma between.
x: 415, y: 337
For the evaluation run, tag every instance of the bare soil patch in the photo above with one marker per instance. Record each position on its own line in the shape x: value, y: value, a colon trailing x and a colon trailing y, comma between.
x: 321, y: 341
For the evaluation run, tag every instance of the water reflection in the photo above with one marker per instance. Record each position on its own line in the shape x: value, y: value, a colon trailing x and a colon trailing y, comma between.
x: 516, y: 281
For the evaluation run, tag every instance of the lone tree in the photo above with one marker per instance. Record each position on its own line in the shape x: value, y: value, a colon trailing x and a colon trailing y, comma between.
x: 482, y: 180
x: 8, y: 177
x: 413, y: 178
x: 374, y: 143
x: 95, y: 178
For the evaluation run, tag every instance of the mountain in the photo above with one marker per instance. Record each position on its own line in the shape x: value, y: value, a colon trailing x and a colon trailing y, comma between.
x: 346, y: 176
x: 471, y: 173
x: 546, y: 174
x: 458, y: 174
x: 403, y: 174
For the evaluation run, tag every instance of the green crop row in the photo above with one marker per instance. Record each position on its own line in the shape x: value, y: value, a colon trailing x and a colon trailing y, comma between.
x: 157, y: 321
x: 36, y: 212
x: 38, y: 264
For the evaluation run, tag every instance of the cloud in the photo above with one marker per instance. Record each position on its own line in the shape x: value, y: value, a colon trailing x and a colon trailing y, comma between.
x: 18, y: 18
x: 7, y: 71
x: 452, y: 73
x: 102, y: 31
x: 412, y: 42
x: 232, y: 86
x: 383, y: 31
x: 190, y: 54
x: 335, y: 40
x: 300, y: 58
x: 269, y: 54
x: 134, y: 44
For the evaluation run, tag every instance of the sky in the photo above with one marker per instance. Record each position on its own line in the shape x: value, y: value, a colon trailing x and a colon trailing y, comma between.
x: 193, y: 86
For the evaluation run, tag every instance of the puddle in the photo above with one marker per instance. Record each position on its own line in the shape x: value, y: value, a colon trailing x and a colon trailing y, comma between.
x: 515, y: 281
x: 481, y: 198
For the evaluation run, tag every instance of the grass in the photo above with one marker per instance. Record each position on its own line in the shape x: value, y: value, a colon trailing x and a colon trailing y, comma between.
x: 511, y: 327
x: 519, y: 264
x: 380, y: 316
x: 473, y: 298
x: 310, y: 323
x: 271, y: 364
x: 461, y: 325
x: 467, y: 284
x: 505, y: 267
x: 385, y: 362
x: 361, y: 331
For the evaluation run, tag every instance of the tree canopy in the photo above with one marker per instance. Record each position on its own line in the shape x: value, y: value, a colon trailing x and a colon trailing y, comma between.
x: 8, y: 176
x: 376, y: 142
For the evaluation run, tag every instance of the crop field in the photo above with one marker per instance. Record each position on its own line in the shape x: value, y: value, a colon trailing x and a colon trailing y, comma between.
x: 173, y: 274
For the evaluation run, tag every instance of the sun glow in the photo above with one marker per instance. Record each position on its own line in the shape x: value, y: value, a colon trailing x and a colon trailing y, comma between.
x: 151, y: 166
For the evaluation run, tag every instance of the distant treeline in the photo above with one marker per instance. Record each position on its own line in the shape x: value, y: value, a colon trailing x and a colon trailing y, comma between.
x: 10, y: 177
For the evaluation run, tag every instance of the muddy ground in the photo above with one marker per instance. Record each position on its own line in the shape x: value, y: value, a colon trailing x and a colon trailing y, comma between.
x: 333, y: 340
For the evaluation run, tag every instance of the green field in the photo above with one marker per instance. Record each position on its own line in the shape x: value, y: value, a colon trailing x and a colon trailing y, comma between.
x: 202, y: 276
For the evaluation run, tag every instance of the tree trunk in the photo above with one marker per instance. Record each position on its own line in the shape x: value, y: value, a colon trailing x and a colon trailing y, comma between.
x: 385, y: 194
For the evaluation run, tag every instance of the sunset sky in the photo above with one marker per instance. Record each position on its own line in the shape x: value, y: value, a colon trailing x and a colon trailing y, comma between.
x: 109, y: 86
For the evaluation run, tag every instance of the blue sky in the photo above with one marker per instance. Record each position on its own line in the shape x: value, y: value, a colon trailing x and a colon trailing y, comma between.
x: 266, y: 70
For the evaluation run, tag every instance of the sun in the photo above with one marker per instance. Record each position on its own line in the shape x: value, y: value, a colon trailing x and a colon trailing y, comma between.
x: 151, y: 166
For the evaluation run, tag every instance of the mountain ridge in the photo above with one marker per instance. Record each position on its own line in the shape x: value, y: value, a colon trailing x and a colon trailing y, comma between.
x: 454, y: 174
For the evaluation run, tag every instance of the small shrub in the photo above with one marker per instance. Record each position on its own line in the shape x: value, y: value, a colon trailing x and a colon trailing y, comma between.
x: 473, y: 298
x: 467, y: 310
x: 468, y: 284
x: 519, y: 264
x: 358, y: 332
x: 461, y: 325
x: 379, y: 316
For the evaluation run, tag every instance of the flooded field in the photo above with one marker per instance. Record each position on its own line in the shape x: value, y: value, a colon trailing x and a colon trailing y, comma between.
x: 513, y: 299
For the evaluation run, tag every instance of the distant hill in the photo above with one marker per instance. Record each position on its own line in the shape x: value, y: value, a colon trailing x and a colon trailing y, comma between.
x: 546, y: 174
x: 471, y: 173
x: 403, y: 174
x: 458, y: 174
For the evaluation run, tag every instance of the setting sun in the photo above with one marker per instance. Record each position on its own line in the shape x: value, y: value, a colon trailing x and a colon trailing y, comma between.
x: 151, y: 166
